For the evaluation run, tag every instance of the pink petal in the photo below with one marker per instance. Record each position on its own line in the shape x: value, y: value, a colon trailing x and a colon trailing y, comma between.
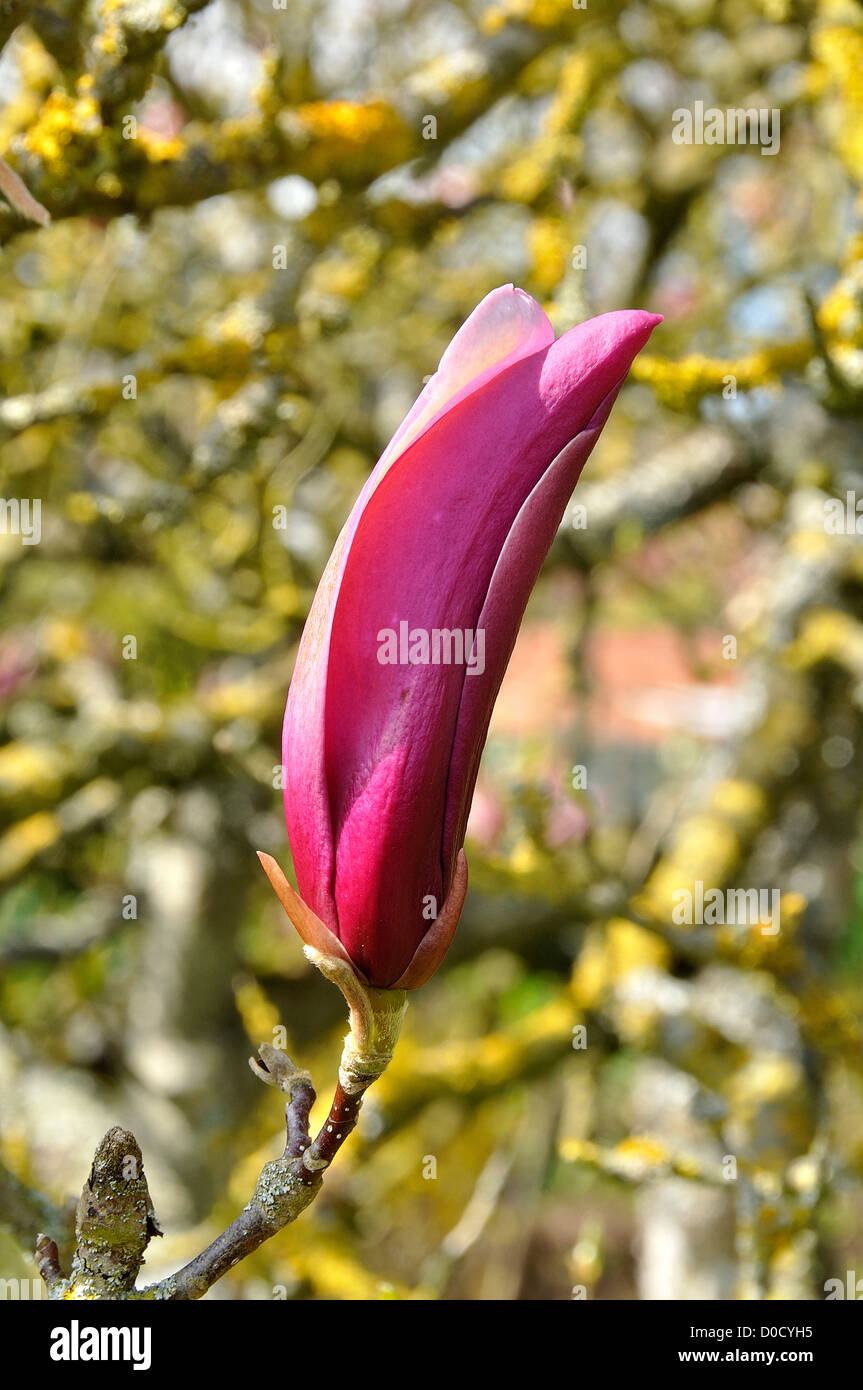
x: 504, y: 327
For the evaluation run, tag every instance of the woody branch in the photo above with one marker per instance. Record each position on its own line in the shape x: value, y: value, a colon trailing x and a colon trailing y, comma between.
x: 115, y: 1218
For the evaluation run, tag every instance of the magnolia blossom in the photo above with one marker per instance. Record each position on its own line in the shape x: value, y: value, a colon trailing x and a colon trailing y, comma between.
x: 414, y: 622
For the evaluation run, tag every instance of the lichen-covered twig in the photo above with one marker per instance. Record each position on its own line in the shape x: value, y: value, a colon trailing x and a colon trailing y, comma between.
x: 115, y: 1214
x: 113, y: 1226
x: 288, y: 1184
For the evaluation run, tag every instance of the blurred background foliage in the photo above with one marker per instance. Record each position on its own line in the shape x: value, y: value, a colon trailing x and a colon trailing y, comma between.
x: 239, y: 295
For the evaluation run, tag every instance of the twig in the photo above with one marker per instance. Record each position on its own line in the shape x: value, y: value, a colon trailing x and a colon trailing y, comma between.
x: 115, y: 1217
x: 286, y: 1186
x: 47, y: 1258
x: 114, y: 1223
x: 289, y: 1184
x: 275, y: 1068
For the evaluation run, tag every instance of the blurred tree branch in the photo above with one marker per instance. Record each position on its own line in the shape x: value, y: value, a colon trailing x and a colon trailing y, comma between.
x: 24, y: 1212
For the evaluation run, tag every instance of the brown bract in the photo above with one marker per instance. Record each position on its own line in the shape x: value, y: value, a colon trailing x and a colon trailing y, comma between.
x: 317, y: 934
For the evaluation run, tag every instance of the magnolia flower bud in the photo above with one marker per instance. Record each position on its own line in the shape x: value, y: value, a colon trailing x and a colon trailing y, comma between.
x: 413, y: 625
